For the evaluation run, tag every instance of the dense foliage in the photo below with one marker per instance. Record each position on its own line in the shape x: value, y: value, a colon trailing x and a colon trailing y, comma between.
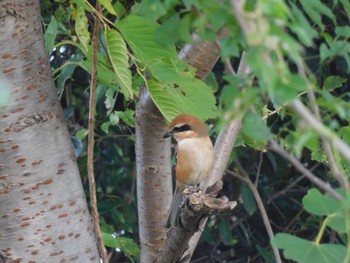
x: 296, y: 49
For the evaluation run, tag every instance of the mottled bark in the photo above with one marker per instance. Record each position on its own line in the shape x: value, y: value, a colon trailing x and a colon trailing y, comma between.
x: 43, y: 211
x: 154, y: 188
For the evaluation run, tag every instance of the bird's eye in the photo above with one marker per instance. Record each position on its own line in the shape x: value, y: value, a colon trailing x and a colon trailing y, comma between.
x: 182, y: 128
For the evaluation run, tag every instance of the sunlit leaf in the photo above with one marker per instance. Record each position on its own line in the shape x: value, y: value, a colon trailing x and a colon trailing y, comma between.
x: 304, y: 251
x: 127, y: 245
x: 81, y: 28
x: 319, y: 204
x: 174, y: 87
x: 107, y: 4
x: 118, y: 54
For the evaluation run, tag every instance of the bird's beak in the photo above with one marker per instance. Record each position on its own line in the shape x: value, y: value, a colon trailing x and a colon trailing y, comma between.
x: 167, y: 134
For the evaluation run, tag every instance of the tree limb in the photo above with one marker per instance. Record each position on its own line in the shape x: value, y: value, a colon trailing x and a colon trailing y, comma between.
x: 295, y: 162
x: 245, y: 178
x: 198, y: 205
x: 322, y: 130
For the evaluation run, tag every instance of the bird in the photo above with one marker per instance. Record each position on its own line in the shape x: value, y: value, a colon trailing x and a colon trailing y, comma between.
x: 194, y: 157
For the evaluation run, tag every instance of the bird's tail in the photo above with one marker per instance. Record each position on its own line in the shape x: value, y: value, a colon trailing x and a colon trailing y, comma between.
x: 174, y: 210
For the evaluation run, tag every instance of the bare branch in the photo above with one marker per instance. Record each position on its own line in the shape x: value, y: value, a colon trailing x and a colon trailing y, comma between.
x: 91, y: 142
x: 261, y: 207
x: 301, y: 168
x: 332, y: 163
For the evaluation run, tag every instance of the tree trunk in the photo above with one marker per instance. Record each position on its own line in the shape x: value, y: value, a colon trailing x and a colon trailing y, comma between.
x: 43, y: 213
x: 154, y: 183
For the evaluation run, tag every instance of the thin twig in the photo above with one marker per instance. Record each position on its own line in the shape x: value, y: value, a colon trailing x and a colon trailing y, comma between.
x: 290, y: 185
x: 322, y: 130
x: 272, y: 113
x: 301, y: 168
x: 258, y: 169
x: 327, y: 146
x: 245, y: 178
x: 91, y: 142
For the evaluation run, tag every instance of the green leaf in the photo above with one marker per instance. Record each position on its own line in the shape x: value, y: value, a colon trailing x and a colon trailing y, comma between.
x: 248, y: 199
x: 118, y: 54
x: 65, y: 74
x: 150, y: 9
x: 325, y: 205
x: 304, y: 251
x: 346, y: 6
x: 82, y: 133
x: 140, y: 36
x: 127, y: 245
x: 114, y: 118
x: 168, y: 32
x: 337, y: 222
x: 342, y: 31
x: 174, y: 87
x: 339, y: 48
x: 50, y: 35
x: 81, y: 3
x: 315, y: 9
x: 301, y: 26
x: 344, y: 133
x: 225, y: 233
x: 173, y: 100
x: 110, y: 100
x: 127, y: 117
x: 316, y: 203
x: 105, y: 126
x: 81, y: 28
x: 120, y: 9
x: 333, y: 82
x: 212, y: 82
x: 107, y: 4
x: 254, y: 131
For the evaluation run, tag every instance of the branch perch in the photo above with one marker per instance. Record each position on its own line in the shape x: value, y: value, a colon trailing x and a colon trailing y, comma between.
x: 196, y: 207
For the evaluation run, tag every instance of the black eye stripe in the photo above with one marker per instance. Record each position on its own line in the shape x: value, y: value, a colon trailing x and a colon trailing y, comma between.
x: 182, y: 128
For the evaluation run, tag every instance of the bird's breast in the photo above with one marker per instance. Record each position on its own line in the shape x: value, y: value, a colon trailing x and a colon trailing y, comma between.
x: 195, y: 156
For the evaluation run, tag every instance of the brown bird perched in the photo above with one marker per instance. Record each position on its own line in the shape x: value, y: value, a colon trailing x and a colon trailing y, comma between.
x: 194, y: 156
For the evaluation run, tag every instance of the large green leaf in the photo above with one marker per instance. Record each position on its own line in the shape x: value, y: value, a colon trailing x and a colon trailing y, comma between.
x: 81, y: 28
x: 318, y: 204
x: 325, y: 205
x: 173, y: 87
x: 173, y: 101
x: 304, y: 251
x: 118, y: 54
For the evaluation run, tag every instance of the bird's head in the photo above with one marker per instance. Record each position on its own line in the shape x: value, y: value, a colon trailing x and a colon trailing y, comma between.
x: 186, y: 126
